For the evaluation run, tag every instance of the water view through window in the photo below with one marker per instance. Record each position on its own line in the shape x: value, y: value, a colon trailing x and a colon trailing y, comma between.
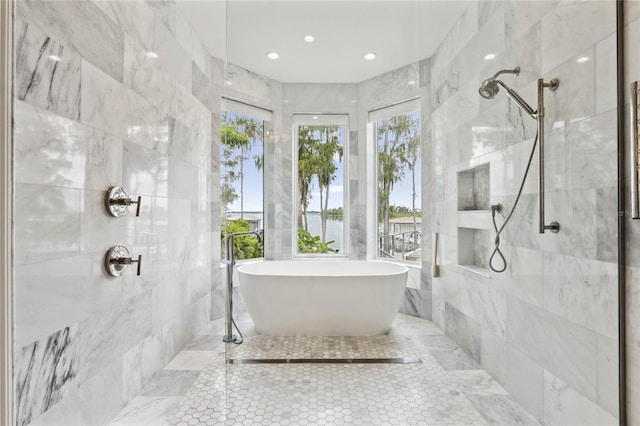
x: 241, y: 182
x: 320, y: 188
x: 399, y: 172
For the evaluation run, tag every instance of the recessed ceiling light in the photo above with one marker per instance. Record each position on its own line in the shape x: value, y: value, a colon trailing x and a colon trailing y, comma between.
x: 411, y: 83
x: 55, y: 58
x: 272, y: 55
x: 490, y: 56
x: 309, y: 39
x: 582, y: 59
x: 370, y: 56
x: 229, y: 82
x: 315, y: 117
x: 152, y: 55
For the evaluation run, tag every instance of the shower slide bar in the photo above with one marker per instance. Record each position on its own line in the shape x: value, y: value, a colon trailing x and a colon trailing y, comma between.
x: 634, y: 101
x: 539, y: 116
x: 489, y: 88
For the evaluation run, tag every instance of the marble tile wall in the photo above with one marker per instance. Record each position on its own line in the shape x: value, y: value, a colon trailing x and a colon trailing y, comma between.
x: 632, y: 73
x: 92, y: 110
x: 546, y: 328
x: 395, y: 86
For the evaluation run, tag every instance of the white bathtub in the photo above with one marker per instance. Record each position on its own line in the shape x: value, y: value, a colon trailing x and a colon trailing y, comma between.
x: 322, y: 297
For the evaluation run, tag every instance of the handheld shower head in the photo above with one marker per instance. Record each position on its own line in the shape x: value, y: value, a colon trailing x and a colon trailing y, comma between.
x: 489, y: 89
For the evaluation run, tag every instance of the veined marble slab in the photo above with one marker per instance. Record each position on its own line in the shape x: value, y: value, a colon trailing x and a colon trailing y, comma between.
x: 44, y: 373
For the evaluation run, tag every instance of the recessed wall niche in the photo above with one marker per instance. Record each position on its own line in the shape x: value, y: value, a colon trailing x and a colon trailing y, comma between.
x: 473, y: 188
x: 474, y: 219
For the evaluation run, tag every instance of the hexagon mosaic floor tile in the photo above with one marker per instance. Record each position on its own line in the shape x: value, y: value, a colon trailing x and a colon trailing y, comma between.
x: 428, y: 390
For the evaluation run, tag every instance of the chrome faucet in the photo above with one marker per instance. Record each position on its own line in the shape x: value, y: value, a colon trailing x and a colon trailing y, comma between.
x: 230, y: 262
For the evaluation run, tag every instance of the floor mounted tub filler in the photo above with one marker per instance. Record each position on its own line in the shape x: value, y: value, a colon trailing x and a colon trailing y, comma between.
x: 322, y: 297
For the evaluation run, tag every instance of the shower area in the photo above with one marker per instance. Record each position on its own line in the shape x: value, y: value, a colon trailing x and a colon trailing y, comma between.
x: 168, y: 152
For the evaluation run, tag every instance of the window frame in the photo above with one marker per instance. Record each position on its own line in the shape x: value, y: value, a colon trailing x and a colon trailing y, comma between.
x: 266, y: 116
x: 329, y: 120
x: 373, y: 116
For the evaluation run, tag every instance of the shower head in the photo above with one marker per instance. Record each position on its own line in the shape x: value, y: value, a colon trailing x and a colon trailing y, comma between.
x: 489, y: 89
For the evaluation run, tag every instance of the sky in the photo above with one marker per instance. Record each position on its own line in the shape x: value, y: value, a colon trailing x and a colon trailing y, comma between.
x: 253, y: 185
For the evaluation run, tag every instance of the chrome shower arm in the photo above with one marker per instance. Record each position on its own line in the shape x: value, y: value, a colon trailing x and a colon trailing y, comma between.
x: 514, y: 71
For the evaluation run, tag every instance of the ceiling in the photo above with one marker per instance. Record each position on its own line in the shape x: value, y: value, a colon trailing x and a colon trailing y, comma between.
x: 399, y: 32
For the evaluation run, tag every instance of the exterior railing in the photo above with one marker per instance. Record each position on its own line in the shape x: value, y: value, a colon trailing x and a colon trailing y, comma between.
x: 398, y: 245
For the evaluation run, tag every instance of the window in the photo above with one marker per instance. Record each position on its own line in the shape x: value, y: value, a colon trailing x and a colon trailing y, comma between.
x: 241, y: 177
x: 320, y: 173
x: 397, y: 135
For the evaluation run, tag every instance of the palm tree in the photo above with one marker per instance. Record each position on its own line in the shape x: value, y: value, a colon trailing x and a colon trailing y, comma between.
x: 328, y: 149
x: 391, y: 158
x: 253, y: 130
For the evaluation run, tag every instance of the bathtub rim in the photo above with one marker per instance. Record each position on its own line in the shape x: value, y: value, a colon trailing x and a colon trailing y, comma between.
x: 403, y: 269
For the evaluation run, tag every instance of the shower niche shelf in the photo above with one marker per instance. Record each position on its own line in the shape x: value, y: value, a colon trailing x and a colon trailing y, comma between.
x: 474, y: 219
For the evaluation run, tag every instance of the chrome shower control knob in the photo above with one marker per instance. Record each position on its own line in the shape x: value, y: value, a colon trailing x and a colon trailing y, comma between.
x: 117, y: 202
x: 118, y: 259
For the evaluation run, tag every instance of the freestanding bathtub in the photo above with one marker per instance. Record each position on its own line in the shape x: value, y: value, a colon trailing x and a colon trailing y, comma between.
x: 322, y: 297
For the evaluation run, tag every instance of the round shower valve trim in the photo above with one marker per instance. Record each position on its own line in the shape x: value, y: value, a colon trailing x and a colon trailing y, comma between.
x: 118, y: 259
x: 117, y: 202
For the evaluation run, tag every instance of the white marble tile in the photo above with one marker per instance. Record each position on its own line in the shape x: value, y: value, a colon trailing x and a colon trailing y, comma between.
x: 582, y: 291
x: 135, y: 17
x: 144, y: 172
x: 190, y: 360
x: 184, y: 33
x: 190, y: 111
x: 565, y: 406
x: 608, y: 383
x: 562, y: 347
x: 146, y: 411
x: 56, y: 151
x: 104, y: 338
x: 45, y: 372
x: 606, y: 77
x: 247, y: 85
x: 486, y: 306
x: 501, y: 410
x: 633, y: 305
x: 575, y: 98
x: 170, y: 383
x: 464, y: 331
x: 81, y: 26
x: 103, y: 101
x: 522, y: 277
x: 50, y: 84
x: 144, y: 76
x: 141, y: 362
x: 94, y: 403
x: 518, y: 374
x: 592, y: 152
x: 633, y: 384
x: 520, y: 16
x: 53, y: 294
x: 575, y: 211
x: 390, y: 87
x: 477, y: 382
x: 579, y: 24
x: 454, y: 360
x: 165, y: 10
x: 172, y: 57
x: 47, y: 223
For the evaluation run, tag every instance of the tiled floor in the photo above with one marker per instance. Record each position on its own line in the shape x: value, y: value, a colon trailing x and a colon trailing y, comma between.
x: 446, y: 388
